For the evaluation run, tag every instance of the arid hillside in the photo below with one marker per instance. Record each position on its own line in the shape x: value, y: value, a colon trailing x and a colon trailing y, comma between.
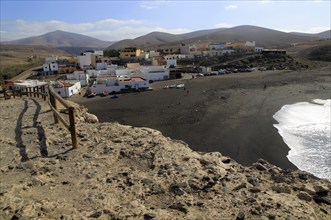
x: 15, y: 59
x: 24, y: 54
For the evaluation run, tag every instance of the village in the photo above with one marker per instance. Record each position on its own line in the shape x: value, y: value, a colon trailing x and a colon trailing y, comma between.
x: 92, y: 73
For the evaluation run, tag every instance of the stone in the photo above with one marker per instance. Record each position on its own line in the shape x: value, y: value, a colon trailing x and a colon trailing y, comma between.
x: 149, y: 216
x: 96, y: 214
x: 320, y: 199
x: 252, y: 181
x: 179, y: 206
x: 226, y: 160
x: 255, y: 190
x: 304, y: 196
x: 321, y: 190
x: 281, y: 188
x: 240, y: 186
x: 260, y: 167
x: 241, y: 215
x: 90, y: 118
x: 176, y: 189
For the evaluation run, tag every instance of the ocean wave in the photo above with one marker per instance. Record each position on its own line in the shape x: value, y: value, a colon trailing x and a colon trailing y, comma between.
x: 306, y: 128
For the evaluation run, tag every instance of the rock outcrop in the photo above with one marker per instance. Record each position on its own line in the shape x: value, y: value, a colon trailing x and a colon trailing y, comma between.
x: 125, y: 172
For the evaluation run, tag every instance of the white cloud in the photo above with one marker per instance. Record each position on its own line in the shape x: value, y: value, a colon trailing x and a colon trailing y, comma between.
x: 311, y: 30
x: 231, y: 7
x: 223, y: 25
x: 264, y: 2
x: 149, y: 5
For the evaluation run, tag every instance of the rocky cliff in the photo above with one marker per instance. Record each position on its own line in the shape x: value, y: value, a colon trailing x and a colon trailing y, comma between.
x: 124, y: 172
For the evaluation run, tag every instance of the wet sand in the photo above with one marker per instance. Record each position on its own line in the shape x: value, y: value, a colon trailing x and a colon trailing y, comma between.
x: 231, y: 114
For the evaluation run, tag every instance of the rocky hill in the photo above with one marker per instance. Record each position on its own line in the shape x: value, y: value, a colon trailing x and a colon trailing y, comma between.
x: 263, y: 36
x: 124, y: 172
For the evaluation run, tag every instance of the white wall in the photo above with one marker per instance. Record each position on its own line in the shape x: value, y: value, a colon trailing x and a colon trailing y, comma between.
x: 45, y: 67
x: 54, y: 66
x: 122, y: 72
x: 250, y: 44
x: 153, y: 54
x: 154, y: 73
x: 66, y: 92
x: 134, y: 84
x: 171, y: 63
x: 50, y: 59
x: 103, y: 88
x: 216, y: 46
x: 101, y: 66
x: 84, y: 60
x: 82, y: 77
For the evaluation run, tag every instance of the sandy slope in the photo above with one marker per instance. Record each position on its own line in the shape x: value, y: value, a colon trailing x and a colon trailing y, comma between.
x: 123, y: 172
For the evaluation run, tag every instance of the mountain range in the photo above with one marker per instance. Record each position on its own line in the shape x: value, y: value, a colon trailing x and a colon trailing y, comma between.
x: 262, y: 36
x: 71, y: 43
x: 75, y: 43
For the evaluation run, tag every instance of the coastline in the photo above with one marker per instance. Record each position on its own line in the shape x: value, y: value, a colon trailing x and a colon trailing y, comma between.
x: 124, y: 172
x: 231, y: 114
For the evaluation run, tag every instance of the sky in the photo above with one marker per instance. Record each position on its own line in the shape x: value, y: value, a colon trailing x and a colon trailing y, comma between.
x: 118, y: 20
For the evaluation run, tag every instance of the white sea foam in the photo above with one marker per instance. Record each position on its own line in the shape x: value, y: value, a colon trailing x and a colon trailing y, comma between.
x: 306, y: 129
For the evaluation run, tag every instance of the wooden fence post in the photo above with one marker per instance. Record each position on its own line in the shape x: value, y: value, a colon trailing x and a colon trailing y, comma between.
x: 73, y: 127
x: 38, y: 90
x: 53, y: 103
x: 44, y: 92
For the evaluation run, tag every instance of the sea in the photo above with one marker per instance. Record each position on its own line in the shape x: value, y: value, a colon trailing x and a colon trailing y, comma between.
x: 306, y: 128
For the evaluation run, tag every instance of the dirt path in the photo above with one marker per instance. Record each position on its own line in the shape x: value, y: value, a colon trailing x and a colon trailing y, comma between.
x: 24, y: 75
x: 27, y: 130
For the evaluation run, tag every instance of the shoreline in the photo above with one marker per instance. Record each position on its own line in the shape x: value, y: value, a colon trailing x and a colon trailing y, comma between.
x: 231, y: 114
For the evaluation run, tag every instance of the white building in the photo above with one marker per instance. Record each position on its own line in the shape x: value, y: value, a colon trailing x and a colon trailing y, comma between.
x: 175, y: 56
x: 250, y: 44
x: 67, y: 88
x: 50, y: 68
x: 20, y: 84
x: 212, y: 53
x: 101, y: 66
x: 171, y: 63
x: 258, y: 49
x: 81, y: 76
x: 114, y: 84
x: 84, y: 60
x: 98, y: 52
x: 122, y: 72
x: 187, y: 49
x: 153, y: 73
x: 216, y: 46
x: 51, y: 59
x: 153, y: 54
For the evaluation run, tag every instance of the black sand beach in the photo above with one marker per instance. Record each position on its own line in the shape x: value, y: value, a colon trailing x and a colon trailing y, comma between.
x: 231, y: 114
